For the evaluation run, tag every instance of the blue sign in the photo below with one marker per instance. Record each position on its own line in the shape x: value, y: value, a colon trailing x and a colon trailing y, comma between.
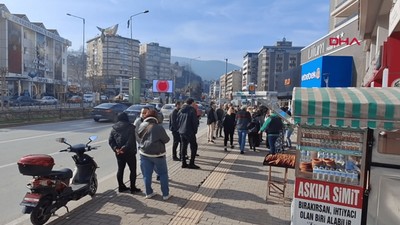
x: 328, y: 71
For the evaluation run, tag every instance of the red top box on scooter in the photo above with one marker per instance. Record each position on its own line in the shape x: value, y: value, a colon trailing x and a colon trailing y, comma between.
x: 35, y: 164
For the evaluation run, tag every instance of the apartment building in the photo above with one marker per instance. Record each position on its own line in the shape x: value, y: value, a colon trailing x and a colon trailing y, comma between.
x: 250, y: 67
x: 231, y: 82
x: 155, y: 62
x: 275, y: 59
x: 33, y: 56
x: 112, y: 60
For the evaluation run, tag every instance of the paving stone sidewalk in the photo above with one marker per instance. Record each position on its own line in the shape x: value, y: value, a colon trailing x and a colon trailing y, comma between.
x: 230, y: 188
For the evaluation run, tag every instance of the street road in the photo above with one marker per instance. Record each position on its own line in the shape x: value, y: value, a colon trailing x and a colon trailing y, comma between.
x: 16, y: 142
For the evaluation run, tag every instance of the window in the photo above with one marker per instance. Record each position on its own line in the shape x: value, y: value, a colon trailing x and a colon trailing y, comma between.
x: 388, y: 142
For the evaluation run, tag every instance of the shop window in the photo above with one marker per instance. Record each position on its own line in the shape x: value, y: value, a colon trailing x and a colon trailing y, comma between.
x: 388, y: 142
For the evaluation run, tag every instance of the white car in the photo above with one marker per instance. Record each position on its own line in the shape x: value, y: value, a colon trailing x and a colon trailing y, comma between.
x: 48, y: 100
x: 167, y: 109
x: 88, y: 97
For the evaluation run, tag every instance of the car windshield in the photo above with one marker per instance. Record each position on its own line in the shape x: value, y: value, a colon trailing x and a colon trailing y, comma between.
x: 167, y: 106
x: 105, y: 106
x: 135, y: 107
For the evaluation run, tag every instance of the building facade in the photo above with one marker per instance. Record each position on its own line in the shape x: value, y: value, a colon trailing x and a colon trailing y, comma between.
x: 155, y: 62
x: 379, y: 27
x: 33, y: 57
x: 322, y: 56
x: 112, y: 61
x: 275, y: 59
x: 233, y: 83
x: 250, y: 67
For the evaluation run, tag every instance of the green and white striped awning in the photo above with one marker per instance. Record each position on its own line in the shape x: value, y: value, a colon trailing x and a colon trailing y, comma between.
x: 347, y: 107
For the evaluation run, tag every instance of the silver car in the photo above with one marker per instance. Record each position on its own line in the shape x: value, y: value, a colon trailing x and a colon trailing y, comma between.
x: 167, y: 109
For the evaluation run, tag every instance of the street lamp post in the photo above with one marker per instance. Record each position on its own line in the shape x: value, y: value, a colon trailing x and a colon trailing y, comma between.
x: 131, y: 43
x: 80, y: 78
x: 83, y: 45
x: 220, y: 88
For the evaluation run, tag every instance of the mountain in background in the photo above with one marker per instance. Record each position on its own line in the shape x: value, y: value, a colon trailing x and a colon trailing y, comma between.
x: 206, y: 69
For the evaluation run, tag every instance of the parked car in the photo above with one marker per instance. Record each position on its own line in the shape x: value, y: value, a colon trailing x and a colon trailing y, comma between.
x: 134, y: 111
x: 22, y: 101
x: 157, y: 106
x: 107, y: 111
x: 48, y: 100
x: 88, y: 97
x: 75, y: 99
x: 167, y: 109
x: 103, y: 98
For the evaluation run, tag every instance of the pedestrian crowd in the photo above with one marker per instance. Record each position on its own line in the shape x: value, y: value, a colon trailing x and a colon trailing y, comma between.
x: 147, y: 137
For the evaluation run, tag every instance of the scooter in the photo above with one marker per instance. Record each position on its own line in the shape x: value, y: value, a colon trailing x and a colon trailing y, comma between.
x: 52, y: 189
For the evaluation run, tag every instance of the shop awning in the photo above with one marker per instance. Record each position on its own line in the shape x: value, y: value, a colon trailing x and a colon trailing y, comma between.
x: 347, y: 107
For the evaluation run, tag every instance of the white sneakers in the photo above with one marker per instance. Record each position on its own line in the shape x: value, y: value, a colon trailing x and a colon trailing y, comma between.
x: 165, y: 198
x: 150, y: 195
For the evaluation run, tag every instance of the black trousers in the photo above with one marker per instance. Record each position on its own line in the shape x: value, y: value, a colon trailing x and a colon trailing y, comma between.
x: 253, y: 140
x: 228, y: 135
x: 122, y: 161
x: 187, y: 139
x: 176, y: 141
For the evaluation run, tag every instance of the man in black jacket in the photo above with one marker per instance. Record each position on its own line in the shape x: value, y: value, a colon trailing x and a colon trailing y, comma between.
x: 123, y: 142
x: 173, y: 126
x: 188, y: 125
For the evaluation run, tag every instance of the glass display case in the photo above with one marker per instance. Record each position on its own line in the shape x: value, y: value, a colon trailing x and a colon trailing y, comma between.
x: 331, y: 154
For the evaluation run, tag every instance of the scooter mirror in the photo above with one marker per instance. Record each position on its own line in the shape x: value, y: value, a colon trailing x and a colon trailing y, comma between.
x: 92, y: 138
x: 61, y: 140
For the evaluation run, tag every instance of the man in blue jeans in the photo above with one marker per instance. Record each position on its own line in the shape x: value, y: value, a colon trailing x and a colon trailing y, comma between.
x: 243, y: 118
x: 273, y: 125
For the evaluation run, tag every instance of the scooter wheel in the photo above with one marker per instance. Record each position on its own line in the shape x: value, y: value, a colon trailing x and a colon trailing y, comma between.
x: 93, y: 185
x: 40, y: 215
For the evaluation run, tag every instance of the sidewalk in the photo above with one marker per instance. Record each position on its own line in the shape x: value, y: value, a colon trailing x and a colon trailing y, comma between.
x: 230, y: 188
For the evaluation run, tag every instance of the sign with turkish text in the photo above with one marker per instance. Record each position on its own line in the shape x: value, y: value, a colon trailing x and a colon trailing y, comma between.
x: 318, y: 202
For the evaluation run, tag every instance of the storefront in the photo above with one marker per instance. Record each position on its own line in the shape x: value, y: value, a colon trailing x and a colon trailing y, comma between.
x: 342, y: 41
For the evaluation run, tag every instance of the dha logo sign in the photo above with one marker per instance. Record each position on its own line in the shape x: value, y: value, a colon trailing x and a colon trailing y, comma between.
x: 337, y: 41
x: 312, y: 75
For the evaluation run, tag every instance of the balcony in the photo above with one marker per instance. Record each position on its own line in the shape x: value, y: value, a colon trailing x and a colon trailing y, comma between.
x: 346, y: 8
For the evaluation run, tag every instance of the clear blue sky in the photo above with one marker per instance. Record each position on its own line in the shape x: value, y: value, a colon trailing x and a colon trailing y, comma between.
x: 209, y: 29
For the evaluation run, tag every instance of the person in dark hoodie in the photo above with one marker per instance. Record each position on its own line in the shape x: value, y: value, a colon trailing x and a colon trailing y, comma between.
x: 173, y: 127
x: 153, y: 138
x: 188, y: 125
x: 123, y: 142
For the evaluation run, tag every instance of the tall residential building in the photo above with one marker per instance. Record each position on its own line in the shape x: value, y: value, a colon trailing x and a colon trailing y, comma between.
x: 233, y: 83
x: 214, y: 90
x: 250, y: 67
x: 113, y: 60
x: 34, y: 57
x: 155, y: 62
x: 275, y: 59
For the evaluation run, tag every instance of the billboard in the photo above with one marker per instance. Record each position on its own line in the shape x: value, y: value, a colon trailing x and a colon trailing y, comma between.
x: 328, y: 71
x: 162, y: 86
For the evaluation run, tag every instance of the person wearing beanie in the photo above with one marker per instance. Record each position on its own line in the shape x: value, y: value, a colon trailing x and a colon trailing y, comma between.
x: 123, y: 142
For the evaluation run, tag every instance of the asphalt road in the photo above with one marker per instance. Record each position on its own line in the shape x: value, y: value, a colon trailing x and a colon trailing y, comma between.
x: 16, y: 142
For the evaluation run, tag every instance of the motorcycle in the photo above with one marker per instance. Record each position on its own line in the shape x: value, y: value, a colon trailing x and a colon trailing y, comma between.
x: 52, y: 189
